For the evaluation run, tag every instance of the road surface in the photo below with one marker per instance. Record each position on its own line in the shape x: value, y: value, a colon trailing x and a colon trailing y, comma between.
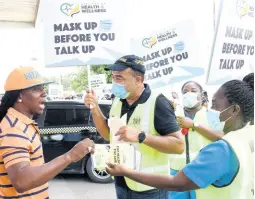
x: 78, y: 187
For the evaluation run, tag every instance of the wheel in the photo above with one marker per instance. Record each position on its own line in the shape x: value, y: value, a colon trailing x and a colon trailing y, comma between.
x: 97, y: 176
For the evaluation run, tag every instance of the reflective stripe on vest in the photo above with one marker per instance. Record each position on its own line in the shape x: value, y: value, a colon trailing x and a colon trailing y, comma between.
x: 195, y: 143
x: 152, y: 160
x: 240, y: 187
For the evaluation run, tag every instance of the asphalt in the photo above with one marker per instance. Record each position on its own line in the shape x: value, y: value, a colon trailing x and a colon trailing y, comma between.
x: 78, y: 187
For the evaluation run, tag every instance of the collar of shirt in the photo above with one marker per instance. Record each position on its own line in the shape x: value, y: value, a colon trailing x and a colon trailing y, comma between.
x: 192, y: 116
x: 142, y: 99
x: 21, y: 117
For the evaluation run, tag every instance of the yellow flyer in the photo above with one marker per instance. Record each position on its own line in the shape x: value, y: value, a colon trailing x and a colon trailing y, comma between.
x: 123, y: 153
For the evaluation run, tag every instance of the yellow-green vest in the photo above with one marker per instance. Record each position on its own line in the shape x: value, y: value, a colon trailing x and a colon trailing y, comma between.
x: 195, y: 142
x: 142, y: 119
x: 249, y: 136
x: 241, y: 186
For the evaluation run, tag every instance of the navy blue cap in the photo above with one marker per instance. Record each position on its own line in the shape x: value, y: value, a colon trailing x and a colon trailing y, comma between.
x: 128, y: 61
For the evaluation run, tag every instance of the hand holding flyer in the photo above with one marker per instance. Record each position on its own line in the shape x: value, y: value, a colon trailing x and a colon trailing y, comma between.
x: 116, y: 153
x: 101, y: 156
x: 179, y: 111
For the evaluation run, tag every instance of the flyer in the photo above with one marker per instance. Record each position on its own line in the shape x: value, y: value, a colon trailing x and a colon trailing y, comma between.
x: 122, y: 153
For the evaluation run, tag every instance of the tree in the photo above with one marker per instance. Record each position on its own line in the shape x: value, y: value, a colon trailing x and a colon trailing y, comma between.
x: 80, y: 79
x: 66, y: 81
x: 100, y: 69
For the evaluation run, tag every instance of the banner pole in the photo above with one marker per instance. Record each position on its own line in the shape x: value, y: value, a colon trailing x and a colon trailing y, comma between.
x: 89, y: 81
x: 214, y: 40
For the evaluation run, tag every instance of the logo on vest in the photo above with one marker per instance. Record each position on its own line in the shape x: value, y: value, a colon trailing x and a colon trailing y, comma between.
x: 136, y: 121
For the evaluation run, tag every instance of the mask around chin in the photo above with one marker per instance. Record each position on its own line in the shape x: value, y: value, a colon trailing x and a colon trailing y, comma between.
x: 190, y: 99
x: 119, y: 91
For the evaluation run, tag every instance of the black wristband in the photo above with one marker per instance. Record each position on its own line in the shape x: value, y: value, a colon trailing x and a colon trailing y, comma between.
x: 141, y: 137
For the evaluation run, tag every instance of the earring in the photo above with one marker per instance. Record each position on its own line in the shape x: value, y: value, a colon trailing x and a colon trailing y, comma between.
x: 19, y: 100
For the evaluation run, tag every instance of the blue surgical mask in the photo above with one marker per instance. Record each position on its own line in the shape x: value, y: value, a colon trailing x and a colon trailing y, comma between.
x: 119, y: 91
x: 213, y: 118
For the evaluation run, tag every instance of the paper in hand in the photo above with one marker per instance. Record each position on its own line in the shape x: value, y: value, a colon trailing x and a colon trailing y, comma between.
x: 179, y: 112
x: 101, y: 156
x: 118, y: 154
x: 114, y: 124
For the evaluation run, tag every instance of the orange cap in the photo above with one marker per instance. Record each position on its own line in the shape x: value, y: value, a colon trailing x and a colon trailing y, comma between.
x: 22, y: 78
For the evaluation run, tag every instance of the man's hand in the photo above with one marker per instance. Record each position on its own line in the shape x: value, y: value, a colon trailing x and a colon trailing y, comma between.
x: 128, y: 134
x: 175, y: 95
x: 185, y: 122
x: 81, y: 149
x: 90, y: 98
x: 116, y: 169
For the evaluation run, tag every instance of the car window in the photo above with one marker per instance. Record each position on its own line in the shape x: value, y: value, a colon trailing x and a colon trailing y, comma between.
x: 105, y: 109
x: 39, y: 119
x: 82, y: 116
x: 63, y: 117
x: 58, y: 117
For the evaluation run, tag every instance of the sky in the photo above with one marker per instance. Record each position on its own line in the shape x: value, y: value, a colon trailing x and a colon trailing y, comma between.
x: 19, y: 46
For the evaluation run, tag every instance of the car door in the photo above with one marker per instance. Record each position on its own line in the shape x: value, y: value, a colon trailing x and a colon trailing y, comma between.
x: 57, y: 118
x: 98, y: 139
x: 64, y: 126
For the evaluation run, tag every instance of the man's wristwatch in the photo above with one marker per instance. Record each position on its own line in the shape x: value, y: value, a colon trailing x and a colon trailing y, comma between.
x: 195, y: 124
x: 141, y: 137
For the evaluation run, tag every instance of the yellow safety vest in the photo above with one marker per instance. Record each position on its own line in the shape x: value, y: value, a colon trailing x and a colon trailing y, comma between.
x: 194, y: 142
x: 142, y: 119
x: 241, y: 186
x: 249, y: 136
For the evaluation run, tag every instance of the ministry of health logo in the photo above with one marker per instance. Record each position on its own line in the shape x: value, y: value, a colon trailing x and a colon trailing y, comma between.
x: 70, y: 9
x: 149, y: 42
x: 86, y: 8
x: 161, y: 37
x: 245, y: 8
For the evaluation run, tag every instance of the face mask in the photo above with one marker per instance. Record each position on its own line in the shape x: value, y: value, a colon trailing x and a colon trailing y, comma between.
x: 190, y: 99
x: 213, y: 118
x: 119, y: 91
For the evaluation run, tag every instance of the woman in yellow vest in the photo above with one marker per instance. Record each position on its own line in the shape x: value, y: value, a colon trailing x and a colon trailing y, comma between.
x: 222, y: 169
x: 250, y: 129
x: 194, y: 126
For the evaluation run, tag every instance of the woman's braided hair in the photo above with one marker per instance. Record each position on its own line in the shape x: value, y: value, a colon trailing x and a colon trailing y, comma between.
x: 204, y: 97
x: 8, y: 100
x: 242, y: 93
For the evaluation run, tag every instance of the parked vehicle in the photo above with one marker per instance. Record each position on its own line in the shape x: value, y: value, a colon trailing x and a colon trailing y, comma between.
x: 64, y: 124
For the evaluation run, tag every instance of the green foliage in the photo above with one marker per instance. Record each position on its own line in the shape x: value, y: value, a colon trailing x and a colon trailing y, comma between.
x: 99, y: 69
x: 79, y: 81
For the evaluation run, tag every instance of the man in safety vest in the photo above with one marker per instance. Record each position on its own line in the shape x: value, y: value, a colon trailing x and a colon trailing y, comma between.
x: 151, y: 125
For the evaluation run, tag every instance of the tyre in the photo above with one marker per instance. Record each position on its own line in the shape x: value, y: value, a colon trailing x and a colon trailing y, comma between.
x: 96, y: 175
